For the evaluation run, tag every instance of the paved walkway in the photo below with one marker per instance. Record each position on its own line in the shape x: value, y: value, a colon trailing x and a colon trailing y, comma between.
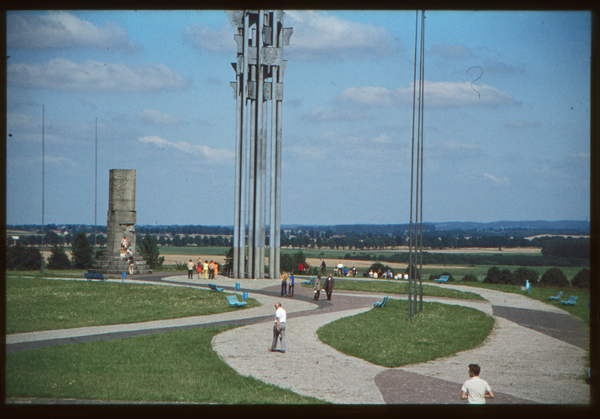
x: 535, y: 353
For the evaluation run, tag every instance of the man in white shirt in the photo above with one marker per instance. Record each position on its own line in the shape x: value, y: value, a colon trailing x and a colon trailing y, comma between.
x: 279, y: 327
x: 475, y: 389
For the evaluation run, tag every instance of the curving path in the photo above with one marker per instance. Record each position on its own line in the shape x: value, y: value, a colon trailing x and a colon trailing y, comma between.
x: 535, y: 353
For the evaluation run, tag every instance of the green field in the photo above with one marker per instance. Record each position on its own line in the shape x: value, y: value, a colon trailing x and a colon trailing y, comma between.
x: 34, y: 304
x: 385, y: 336
x: 167, y: 367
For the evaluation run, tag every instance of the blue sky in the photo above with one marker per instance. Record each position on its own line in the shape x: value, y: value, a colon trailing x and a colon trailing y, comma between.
x: 158, y: 84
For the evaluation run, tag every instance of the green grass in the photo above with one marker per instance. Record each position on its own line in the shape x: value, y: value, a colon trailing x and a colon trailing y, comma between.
x: 386, y: 337
x: 169, y: 367
x: 400, y: 287
x: 580, y: 309
x: 34, y: 304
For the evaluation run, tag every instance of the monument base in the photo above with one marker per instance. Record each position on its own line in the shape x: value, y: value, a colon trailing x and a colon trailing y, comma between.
x: 116, y: 265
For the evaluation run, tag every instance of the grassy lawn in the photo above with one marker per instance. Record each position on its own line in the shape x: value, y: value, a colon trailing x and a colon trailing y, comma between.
x: 580, y: 309
x: 400, y: 287
x: 385, y: 336
x: 34, y: 304
x: 170, y: 367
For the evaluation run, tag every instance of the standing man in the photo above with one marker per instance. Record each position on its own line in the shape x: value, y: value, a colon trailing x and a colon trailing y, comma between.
x: 475, y: 389
x: 283, y: 284
x: 279, y: 328
x: 317, y: 287
x: 191, y: 267
x: 291, y: 292
x: 329, y: 282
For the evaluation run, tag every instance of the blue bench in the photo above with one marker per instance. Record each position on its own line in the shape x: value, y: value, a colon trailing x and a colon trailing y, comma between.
x: 442, y: 279
x: 311, y: 281
x: 233, y: 301
x: 560, y: 293
x: 90, y: 276
x: 570, y: 302
x: 215, y: 288
x: 382, y: 303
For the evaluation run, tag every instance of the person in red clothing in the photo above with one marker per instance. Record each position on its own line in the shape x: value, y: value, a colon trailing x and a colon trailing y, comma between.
x: 300, y: 269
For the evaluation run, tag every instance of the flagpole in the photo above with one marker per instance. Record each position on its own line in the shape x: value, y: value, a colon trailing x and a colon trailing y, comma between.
x: 43, y: 169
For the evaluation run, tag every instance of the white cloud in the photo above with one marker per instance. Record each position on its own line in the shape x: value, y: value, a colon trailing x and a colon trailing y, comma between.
x: 319, y: 34
x: 214, y: 154
x: 213, y: 40
x: 454, y: 146
x: 452, y: 52
x: 497, y: 181
x: 383, y: 138
x: 59, y: 161
x: 437, y: 94
x: 328, y: 115
x: 64, y: 30
x: 63, y: 74
x: 154, y: 117
x: 314, y: 153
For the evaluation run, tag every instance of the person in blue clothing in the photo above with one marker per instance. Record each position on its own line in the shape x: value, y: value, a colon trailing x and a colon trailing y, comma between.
x: 291, y: 292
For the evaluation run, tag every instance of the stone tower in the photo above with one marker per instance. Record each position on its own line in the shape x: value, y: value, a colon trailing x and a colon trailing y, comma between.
x: 120, y: 223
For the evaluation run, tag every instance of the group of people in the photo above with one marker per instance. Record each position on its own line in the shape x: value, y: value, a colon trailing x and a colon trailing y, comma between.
x: 327, y: 287
x: 303, y: 269
x: 287, y: 290
x: 340, y: 270
x: 208, y: 270
x: 127, y: 254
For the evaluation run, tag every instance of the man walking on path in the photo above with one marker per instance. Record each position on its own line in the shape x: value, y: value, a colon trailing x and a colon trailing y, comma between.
x: 475, y: 389
x: 329, y: 286
x: 291, y: 292
x: 279, y: 327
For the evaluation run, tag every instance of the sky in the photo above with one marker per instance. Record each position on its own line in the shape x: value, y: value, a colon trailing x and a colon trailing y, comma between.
x: 506, y: 122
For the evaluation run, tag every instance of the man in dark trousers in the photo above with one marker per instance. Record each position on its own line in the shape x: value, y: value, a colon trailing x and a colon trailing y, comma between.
x: 329, y: 282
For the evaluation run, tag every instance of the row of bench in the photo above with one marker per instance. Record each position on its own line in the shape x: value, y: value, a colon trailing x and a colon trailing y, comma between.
x: 570, y: 302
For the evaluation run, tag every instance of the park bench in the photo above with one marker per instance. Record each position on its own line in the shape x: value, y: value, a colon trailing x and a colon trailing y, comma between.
x: 442, y: 279
x: 89, y: 276
x: 215, y: 288
x: 311, y: 281
x: 560, y: 293
x: 570, y: 302
x: 382, y: 303
x: 233, y: 301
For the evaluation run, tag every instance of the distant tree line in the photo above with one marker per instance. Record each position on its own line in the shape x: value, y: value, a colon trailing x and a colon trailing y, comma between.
x: 475, y: 259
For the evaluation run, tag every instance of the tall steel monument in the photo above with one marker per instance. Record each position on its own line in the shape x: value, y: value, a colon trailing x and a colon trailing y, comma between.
x: 259, y: 70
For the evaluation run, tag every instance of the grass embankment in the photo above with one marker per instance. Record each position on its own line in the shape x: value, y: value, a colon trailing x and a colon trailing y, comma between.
x: 171, y: 367
x: 400, y: 287
x: 385, y: 336
x: 580, y: 309
x: 34, y: 304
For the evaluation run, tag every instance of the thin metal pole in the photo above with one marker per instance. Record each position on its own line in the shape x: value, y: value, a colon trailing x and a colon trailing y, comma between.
x: 421, y: 113
x: 43, y: 179
x: 412, y: 158
x: 95, y: 187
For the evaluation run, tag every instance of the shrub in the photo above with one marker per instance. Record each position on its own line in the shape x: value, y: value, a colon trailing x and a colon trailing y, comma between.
x: 83, y: 257
x: 58, y: 258
x: 493, y: 276
x: 522, y: 275
x: 150, y: 252
x: 469, y: 278
x: 582, y: 279
x: 378, y: 265
x: 554, y: 277
x: 22, y: 258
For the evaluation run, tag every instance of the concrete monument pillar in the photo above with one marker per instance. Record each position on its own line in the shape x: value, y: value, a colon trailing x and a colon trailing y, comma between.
x: 121, y: 215
x: 120, y: 223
